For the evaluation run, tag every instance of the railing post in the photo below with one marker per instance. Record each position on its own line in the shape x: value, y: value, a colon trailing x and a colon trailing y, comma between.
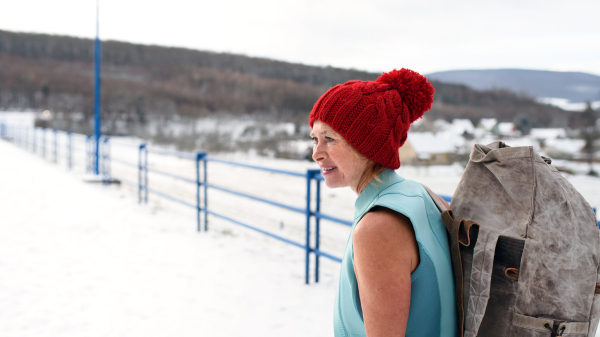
x: 44, y: 143
x: 199, y: 156
x: 69, y: 149
x: 106, y: 179
x: 146, y: 174
x: 140, y: 169
x: 205, y: 182
x: 55, y: 146
x: 34, y: 140
x: 317, y: 228
x: 89, y: 165
x: 308, y: 213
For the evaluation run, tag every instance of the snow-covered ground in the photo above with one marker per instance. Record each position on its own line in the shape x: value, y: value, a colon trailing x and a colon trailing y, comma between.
x: 80, y: 259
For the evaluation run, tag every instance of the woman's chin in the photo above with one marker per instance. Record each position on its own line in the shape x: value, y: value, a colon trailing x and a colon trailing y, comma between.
x: 333, y: 183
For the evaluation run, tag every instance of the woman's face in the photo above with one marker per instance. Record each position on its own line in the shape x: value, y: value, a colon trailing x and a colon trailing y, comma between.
x: 341, y: 165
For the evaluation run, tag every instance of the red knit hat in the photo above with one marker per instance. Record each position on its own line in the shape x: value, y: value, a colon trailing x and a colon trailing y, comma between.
x: 375, y: 116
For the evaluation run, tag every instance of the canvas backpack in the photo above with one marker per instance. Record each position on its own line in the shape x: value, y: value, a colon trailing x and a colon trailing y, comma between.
x: 525, y: 248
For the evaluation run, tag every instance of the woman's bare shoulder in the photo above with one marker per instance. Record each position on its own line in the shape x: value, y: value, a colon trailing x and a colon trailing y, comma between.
x: 386, y: 233
x: 382, y: 220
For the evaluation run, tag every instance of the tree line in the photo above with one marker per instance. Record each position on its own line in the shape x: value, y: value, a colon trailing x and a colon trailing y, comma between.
x: 139, y: 82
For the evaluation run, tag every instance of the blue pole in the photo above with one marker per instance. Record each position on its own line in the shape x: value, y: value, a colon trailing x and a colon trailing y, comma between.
x: 307, y: 211
x: 97, y: 120
x: 44, y: 143
x: 205, y: 192
x: 142, y: 146
x: 317, y: 229
x: 89, y: 155
x: 198, y: 208
x: 146, y: 174
x: 69, y: 149
x: 55, y: 146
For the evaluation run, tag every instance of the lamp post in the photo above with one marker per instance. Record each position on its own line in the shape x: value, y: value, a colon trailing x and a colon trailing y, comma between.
x: 97, y: 119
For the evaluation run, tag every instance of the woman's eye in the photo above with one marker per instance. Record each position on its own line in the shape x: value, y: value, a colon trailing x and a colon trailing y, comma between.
x: 315, y: 140
x: 328, y: 139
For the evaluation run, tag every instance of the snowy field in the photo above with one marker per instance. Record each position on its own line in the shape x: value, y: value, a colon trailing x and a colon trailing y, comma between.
x: 80, y: 259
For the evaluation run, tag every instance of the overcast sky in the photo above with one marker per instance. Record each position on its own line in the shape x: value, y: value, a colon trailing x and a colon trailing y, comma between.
x: 373, y: 35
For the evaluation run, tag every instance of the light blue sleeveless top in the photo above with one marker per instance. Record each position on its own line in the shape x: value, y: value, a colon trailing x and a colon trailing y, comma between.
x: 432, y: 300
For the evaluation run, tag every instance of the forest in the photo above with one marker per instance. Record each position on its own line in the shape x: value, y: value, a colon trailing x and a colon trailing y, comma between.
x: 146, y: 82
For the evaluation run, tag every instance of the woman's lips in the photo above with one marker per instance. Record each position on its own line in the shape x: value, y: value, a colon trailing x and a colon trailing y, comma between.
x: 328, y: 170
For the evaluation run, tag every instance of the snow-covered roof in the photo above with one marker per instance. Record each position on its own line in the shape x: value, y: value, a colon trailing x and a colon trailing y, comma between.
x: 19, y: 118
x: 566, y: 145
x: 487, y: 123
x: 507, y: 129
x: 462, y: 125
x: 566, y: 104
x: 524, y: 141
x: 548, y: 133
x: 441, y: 125
x: 428, y: 143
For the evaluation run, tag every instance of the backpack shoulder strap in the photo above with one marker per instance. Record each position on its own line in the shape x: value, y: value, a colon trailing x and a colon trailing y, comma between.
x: 435, y: 198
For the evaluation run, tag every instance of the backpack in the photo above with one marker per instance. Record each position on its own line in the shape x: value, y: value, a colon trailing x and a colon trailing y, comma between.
x: 525, y: 248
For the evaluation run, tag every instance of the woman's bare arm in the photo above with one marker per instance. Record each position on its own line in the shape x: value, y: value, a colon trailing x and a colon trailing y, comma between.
x: 385, y: 255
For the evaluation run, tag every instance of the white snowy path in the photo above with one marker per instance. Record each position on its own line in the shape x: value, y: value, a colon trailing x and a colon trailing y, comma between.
x: 78, y: 259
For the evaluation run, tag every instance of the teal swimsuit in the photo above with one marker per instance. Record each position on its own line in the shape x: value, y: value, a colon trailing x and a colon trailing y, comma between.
x: 432, y: 301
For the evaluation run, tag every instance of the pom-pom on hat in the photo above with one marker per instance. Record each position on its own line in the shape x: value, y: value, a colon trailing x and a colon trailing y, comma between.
x: 375, y: 116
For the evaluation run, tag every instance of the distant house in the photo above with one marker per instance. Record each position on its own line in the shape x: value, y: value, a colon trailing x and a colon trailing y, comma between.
x: 525, y: 141
x: 441, y: 125
x: 506, y: 129
x: 545, y: 134
x: 487, y: 124
x: 463, y: 126
x: 428, y: 148
x: 564, y: 148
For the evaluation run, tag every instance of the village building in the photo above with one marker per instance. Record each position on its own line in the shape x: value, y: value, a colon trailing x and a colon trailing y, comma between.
x: 564, y: 148
x: 428, y: 148
x: 549, y: 133
x: 506, y: 129
x: 487, y: 124
x: 463, y: 126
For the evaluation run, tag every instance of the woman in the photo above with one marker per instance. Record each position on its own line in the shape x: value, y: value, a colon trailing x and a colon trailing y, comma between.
x: 396, y: 276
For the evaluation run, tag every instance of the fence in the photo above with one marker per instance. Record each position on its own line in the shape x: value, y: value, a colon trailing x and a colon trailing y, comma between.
x: 202, y: 186
x: 35, y: 139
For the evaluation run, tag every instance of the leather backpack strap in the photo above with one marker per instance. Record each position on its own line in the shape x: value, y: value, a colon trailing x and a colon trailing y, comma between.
x: 453, y: 227
x: 436, y: 199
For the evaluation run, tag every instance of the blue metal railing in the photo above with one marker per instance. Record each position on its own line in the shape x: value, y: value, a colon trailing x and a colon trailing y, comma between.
x: 20, y: 137
x: 201, y: 205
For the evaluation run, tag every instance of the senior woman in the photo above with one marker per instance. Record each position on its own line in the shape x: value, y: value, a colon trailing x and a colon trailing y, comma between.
x: 396, y: 274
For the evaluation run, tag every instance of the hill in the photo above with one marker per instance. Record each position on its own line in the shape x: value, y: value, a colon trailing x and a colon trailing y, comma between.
x: 145, y: 82
x: 574, y: 86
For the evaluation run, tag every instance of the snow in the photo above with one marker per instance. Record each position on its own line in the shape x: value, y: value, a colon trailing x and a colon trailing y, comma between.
x: 86, y: 260
x: 426, y: 143
x: 18, y: 118
x: 548, y: 133
x: 508, y: 129
x: 441, y: 125
x: 566, y: 145
x: 462, y: 125
x: 567, y: 105
x: 488, y: 123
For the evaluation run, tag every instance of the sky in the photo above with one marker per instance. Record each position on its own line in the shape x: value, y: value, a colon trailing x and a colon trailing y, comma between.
x: 378, y: 35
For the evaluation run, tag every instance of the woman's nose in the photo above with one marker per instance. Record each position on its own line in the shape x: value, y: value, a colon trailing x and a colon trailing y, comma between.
x: 318, y: 153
